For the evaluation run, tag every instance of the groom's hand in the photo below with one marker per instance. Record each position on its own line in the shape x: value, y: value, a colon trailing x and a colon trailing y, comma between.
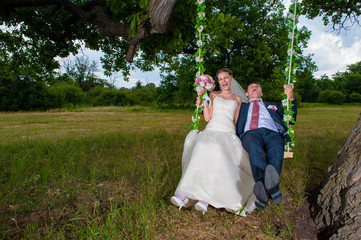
x: 289, y: 92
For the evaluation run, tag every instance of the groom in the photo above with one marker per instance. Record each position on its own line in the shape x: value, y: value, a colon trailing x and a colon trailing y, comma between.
x: 261, y: 130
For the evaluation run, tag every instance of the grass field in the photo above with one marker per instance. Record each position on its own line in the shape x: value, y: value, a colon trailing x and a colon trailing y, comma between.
x: 108, y: 173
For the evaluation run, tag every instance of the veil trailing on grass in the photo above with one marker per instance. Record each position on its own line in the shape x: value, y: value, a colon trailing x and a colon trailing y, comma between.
x: 238, y: 90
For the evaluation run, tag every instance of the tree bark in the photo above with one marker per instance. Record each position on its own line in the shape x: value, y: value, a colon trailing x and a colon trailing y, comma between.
x: 96, y: 12
x: 337, y: 213
x: 159, y: 21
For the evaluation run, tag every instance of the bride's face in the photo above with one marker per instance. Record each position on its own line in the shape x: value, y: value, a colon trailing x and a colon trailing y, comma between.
x: 224, y: 80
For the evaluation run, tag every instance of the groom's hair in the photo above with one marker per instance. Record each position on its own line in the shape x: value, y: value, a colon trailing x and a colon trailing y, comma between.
x: 224, y: 70
x: 253, y: 83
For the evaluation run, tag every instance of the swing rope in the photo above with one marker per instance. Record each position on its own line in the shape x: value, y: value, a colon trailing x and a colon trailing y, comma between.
x: 201, y: 20
x: 291, y: 67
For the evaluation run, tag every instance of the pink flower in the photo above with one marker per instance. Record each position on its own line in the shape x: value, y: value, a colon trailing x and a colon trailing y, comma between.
x: 205, y: 82
x: 210, y: 86
x: 272, y: 107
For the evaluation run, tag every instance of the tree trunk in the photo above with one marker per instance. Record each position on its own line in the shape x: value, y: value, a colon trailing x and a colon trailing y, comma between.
x: 338, y: 208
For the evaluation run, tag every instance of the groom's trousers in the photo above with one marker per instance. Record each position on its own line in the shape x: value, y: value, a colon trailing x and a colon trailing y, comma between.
x: 257, y: 142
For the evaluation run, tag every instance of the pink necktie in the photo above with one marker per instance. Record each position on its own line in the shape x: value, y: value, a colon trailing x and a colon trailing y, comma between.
x: 255, y: 115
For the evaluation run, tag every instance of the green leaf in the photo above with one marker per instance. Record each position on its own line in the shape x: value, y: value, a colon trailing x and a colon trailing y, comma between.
x: 221, y: 17
x: 143, y: 4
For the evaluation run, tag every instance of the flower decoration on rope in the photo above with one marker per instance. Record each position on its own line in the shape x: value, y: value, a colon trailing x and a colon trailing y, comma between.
x: 203, y: 82
x: 200, y: 36
x: 291, y: 67
x: 199, y: 59
x: 290, y: 52
x: 287, y: 118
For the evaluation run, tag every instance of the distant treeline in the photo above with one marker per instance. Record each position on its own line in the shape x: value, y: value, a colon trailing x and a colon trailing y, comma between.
x: 25, y: 93
x: 343, y: 87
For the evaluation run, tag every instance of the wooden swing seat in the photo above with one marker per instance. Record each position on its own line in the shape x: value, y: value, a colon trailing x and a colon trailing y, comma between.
x: 288, y: 155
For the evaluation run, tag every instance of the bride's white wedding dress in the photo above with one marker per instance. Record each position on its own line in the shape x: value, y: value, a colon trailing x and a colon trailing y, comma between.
x: 215, y: 167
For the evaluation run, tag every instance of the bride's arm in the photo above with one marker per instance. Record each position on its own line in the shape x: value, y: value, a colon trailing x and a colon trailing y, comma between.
x: 207, y: 111
x: 236, y: 113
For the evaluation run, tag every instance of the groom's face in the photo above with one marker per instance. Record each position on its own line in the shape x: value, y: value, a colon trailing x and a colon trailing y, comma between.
x: 254, y: 91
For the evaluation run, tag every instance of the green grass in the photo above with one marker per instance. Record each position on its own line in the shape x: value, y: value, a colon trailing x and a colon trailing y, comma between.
x: 108, y: 173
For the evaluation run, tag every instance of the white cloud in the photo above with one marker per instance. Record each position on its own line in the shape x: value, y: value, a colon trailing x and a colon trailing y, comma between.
x: 332, y: 52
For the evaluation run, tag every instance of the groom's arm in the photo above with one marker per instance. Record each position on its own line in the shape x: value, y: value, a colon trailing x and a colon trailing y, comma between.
x: 291, y: 97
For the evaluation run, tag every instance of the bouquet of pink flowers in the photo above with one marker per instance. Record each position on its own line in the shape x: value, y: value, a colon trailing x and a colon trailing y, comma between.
x: 204, y: 82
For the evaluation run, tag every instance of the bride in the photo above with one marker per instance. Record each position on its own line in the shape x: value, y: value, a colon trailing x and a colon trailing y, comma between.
x: 215, y: 167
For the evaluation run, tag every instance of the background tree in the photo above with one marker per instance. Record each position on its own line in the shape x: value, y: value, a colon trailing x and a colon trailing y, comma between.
x: 24, y: 93
x: 331, y: 97
x: 339, y: 79
x: 325, y: 83
x: 341, y: 14
x: 83, y: 72
x: 353, y: 78
x: 165, y: 93
x: 305, y: 86
x: 355, y: 68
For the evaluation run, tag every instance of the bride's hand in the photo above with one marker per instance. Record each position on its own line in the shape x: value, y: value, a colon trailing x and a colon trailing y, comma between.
x: 200, y: 92
x: 198, y: 102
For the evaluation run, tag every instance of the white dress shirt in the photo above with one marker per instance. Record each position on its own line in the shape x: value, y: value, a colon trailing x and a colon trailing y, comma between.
x: 265, y: 120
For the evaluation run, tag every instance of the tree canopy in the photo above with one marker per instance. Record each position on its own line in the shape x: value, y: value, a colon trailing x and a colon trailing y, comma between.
x: 157, y: 28
x: 341, y: 14
x: 250, y: 37
x: 53, y: 28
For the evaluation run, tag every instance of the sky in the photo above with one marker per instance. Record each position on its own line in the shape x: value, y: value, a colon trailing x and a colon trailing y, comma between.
x: 332, y: 52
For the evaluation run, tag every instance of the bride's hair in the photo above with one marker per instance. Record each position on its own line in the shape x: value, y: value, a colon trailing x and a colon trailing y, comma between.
x: 224, y: 70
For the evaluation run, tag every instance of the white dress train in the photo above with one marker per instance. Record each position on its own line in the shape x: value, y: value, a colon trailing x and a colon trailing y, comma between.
x: 215, y: 167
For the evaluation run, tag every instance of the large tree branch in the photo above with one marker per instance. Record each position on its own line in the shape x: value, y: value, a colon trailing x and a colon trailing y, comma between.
x: 97, y: 13
x: 159, y: 21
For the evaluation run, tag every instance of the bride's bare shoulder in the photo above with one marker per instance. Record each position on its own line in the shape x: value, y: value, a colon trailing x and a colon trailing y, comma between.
x: 238, y: 99
x: 214, y: 94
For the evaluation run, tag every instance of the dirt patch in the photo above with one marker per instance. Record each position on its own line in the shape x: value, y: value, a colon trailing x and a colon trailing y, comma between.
x: 305, y: 227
